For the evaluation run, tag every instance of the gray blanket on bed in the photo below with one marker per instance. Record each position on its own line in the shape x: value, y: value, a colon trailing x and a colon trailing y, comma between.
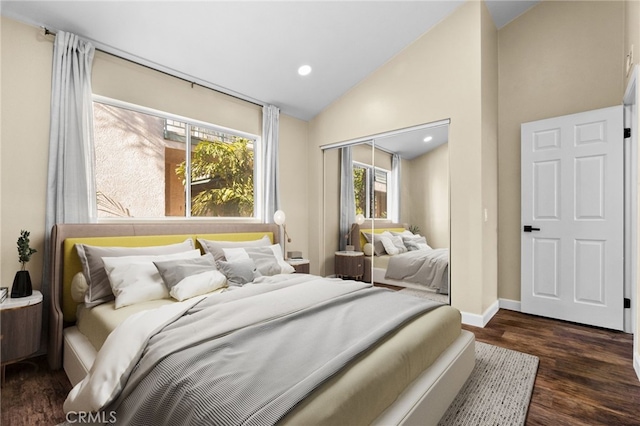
x: 257, y: 371
x: 426, y: 267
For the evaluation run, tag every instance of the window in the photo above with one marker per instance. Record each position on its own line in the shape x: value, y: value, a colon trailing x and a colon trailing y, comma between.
x: 144, y: 170
x: 370, y: 189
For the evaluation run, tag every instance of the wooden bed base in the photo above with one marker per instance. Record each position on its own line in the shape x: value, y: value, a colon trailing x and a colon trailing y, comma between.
x: 424, y: 401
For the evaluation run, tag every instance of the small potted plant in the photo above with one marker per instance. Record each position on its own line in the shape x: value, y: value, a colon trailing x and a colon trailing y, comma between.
x: 22, y: 281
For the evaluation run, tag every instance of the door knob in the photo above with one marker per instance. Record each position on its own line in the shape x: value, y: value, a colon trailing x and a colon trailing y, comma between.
x: 529, y: 228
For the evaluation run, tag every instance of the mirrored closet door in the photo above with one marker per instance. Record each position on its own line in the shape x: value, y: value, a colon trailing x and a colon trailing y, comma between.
x: 394, y: 187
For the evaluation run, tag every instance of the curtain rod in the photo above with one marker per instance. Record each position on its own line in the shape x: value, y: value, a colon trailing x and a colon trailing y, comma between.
x: 47, y: 31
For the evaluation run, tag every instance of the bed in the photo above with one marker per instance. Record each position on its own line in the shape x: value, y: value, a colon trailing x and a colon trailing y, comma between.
x: 421, y: 268
x: 373, y: 385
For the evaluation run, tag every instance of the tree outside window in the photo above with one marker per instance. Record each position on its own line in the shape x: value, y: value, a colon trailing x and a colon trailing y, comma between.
x: 370, y: 190
x: 221, y: 178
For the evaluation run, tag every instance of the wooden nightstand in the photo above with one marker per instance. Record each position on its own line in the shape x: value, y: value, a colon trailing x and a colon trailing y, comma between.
x: 21, y: 323
x: 349, y: 264
x: 300, y: 265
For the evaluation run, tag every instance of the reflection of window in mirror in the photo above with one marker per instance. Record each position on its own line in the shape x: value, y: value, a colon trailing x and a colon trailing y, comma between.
x: 370, y: 180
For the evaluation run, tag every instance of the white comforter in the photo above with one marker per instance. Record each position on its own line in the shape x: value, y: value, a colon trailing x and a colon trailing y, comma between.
x: 429, y: 267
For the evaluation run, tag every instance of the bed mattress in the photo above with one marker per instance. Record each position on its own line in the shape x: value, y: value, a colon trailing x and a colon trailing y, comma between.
x: 96, y: 323
x: 381, y: 262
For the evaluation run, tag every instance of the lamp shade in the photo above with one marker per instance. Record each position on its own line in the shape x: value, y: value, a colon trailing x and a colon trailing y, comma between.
x: 360, y: 219
x: 279, y: 217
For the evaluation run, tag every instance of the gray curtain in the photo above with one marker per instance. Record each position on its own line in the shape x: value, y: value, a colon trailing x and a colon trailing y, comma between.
x: 347, y: 196
x: 270, y: 132
x: 71, y: 194
x: 393, y: 207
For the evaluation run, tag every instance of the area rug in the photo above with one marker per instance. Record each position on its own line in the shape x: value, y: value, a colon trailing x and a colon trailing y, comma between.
x: 498, y: 391
x: 425, y: 294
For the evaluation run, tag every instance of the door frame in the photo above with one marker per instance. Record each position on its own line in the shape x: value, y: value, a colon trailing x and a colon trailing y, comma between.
x: 631, y: 104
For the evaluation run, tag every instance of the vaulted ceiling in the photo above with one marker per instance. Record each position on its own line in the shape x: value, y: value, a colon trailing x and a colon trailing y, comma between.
x: 253, y: 49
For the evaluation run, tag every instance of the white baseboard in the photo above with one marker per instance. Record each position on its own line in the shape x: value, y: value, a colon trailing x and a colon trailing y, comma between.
x: 512, y: 305
x: 480, y: 320
x: 636, y: 363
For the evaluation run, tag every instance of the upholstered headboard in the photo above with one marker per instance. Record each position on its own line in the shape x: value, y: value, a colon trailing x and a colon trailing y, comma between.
x: 65, y: 261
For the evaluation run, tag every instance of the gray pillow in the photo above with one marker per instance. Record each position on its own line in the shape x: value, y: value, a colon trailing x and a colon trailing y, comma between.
x: 93, y: 267
x: 374, y: 239
x: 174, y: 271
x: 216, y: 247
x: 239, y: 272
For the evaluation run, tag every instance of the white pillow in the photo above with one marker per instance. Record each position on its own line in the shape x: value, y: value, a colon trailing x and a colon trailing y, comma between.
x: 268, y: 260
x: 392, y: 243
x: 391, y: 249
x: 136, y: 279
x: 195, y: 285
x: 416, y: 242
x: 405, y: 233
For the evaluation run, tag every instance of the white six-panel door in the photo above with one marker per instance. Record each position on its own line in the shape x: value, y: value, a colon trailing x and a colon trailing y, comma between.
x: 572, y: 199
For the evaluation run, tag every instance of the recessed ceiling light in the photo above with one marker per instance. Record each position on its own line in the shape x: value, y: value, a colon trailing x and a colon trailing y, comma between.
x: 428, y: 139
x: 304, y: 70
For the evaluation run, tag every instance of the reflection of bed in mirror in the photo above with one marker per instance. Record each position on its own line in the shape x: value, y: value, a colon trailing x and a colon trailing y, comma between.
x: 395, y: 256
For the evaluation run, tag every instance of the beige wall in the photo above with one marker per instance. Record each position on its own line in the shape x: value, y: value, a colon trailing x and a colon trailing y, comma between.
x: 26, y: 88
x: 425, y: 182
x: 489, y: 158
x: 430, y: 80
x: 25, y: 97
x: 558, y: 58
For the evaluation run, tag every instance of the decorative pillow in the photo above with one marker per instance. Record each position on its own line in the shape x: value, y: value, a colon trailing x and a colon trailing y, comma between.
x: 79, y: 287
x: 368, y: 249
x: 216, y: 248
x: 174, y: 271
x: 392, y: 244
x: 239, y: 272
x: 93, y: 268
x: 268, y: 260
x: 187, y: 278
x: 378, y: 247
x: 195, y: 285
x: 417, y: 242
x: 396, y: 241
x: 136, y: 279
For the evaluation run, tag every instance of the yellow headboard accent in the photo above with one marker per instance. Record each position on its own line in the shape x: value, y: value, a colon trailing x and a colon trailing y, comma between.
x: 376, y: 230
x: 240, y: 236
x: 72, y: 263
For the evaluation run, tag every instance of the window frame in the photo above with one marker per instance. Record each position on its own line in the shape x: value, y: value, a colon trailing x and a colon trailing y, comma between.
x: 258, y: 166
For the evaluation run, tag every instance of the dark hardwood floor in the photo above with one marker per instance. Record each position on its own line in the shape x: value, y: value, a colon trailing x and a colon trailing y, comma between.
x: 585, y: 376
